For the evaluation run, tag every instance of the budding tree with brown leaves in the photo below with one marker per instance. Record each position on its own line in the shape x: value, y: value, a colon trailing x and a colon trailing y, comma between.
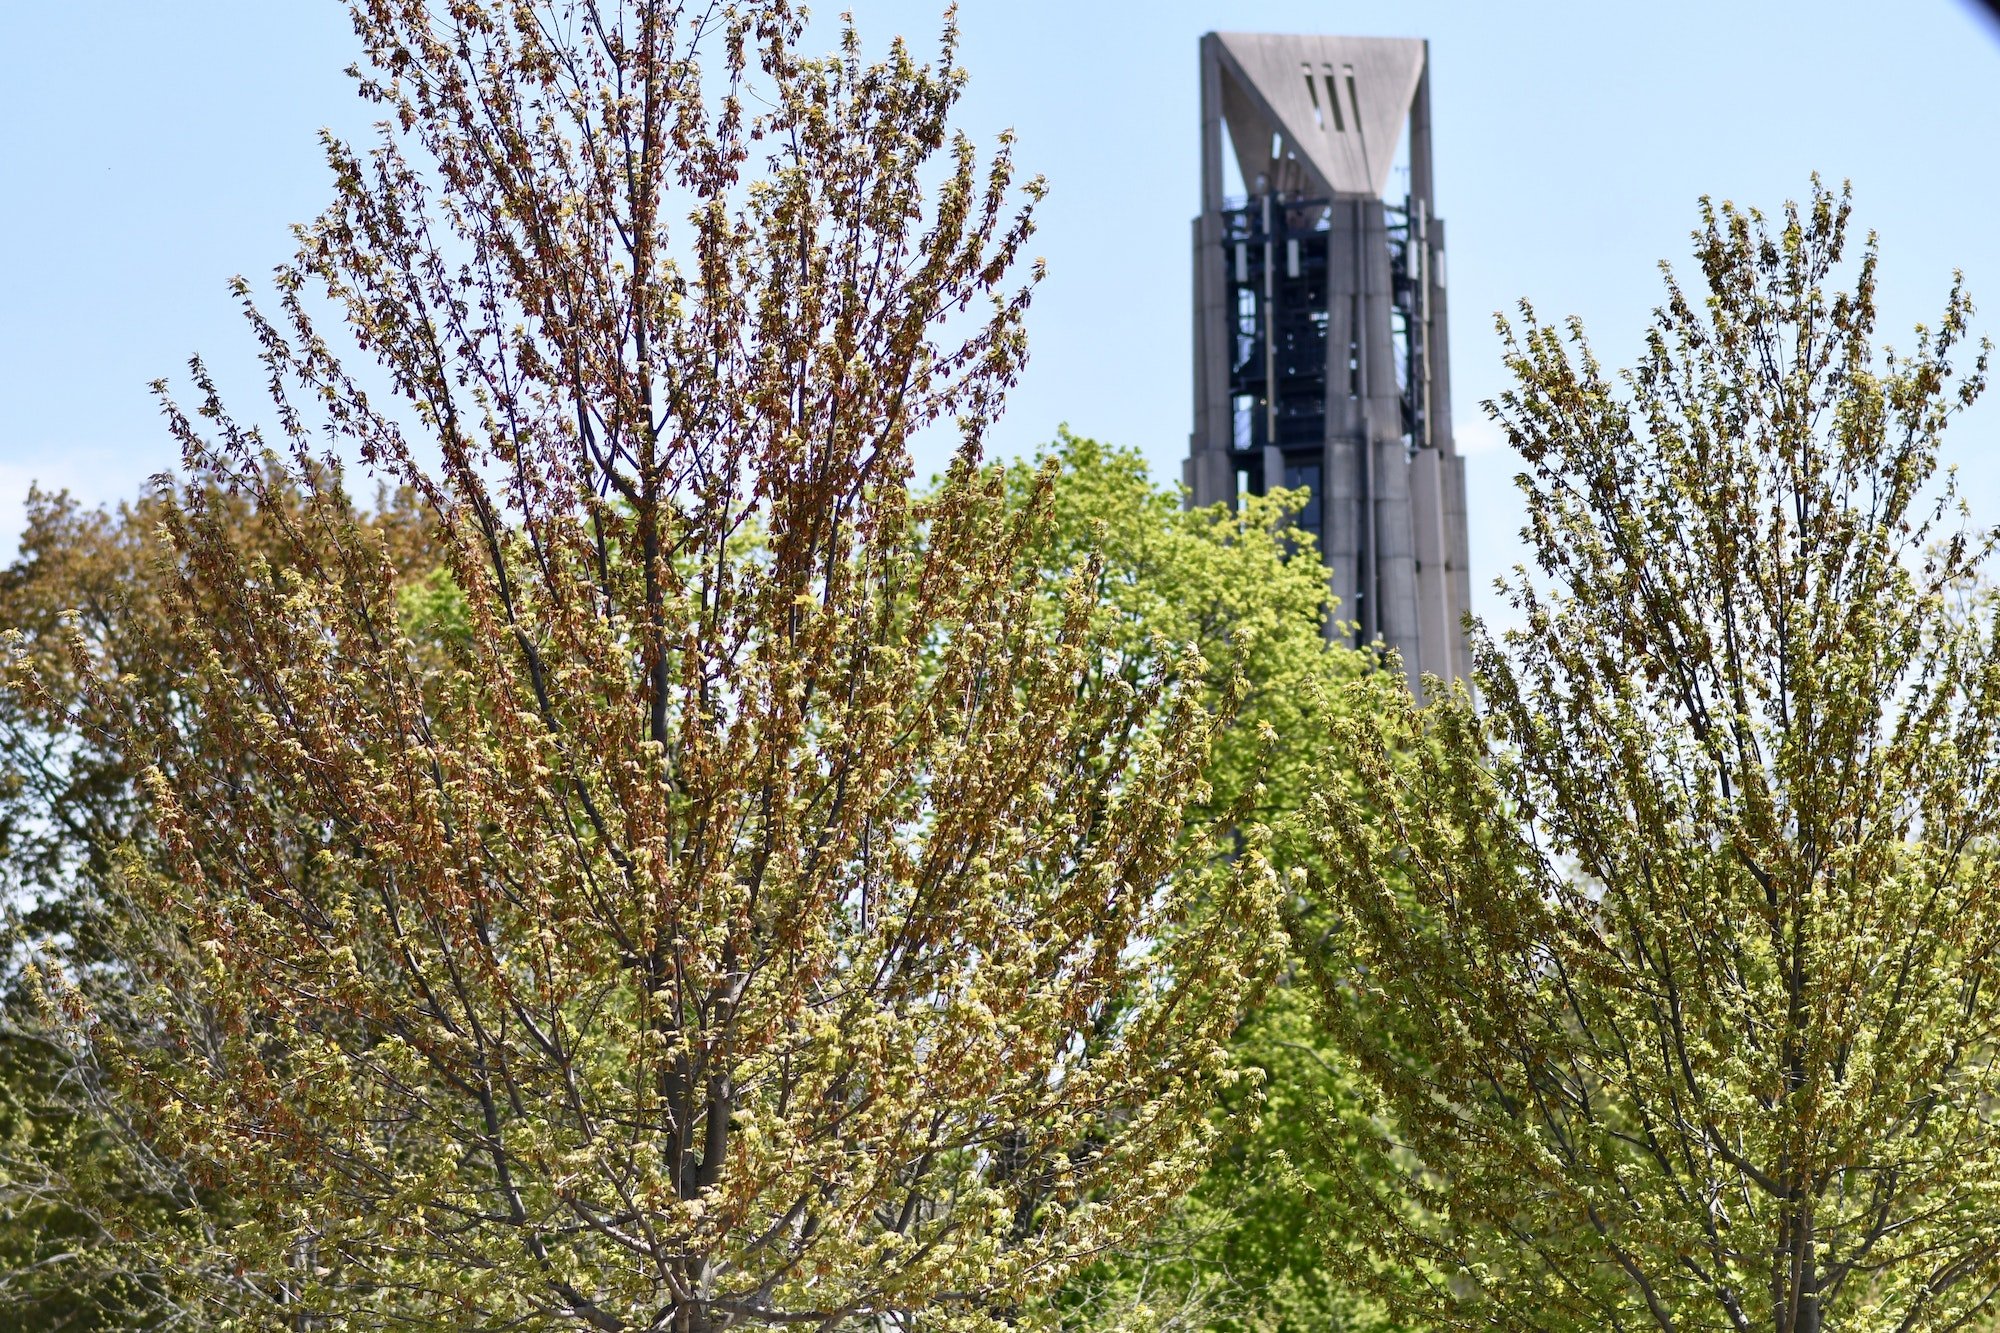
x: 720, y: 894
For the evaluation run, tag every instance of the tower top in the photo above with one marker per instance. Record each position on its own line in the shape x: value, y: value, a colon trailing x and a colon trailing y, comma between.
x: 1321, y: 362
x: 1337, y: 106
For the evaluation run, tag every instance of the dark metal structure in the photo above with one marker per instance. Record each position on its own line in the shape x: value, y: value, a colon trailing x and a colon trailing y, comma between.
x: 1321, y: 358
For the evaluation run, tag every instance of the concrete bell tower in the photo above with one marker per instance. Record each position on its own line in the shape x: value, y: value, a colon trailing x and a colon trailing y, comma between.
x: 1319, y: 325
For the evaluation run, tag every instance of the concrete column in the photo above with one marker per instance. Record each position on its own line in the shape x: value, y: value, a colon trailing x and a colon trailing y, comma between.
x: 1457, y: 542
x: 1212, y: 479
x: 1392, y: 560
x: 1436, y: 630
x: 1457, y: 559
x: 1341, y: 470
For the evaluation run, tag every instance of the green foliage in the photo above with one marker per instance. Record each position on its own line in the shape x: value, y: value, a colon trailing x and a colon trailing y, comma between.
x: 1672, y: 972
x: 1249, y: 592
x: 1243, y: 588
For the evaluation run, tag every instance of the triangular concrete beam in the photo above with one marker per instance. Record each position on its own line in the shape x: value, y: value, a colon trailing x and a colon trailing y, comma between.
x: 1339, y: 103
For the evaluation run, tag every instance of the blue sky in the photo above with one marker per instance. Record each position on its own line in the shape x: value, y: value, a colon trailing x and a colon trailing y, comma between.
x: 150, y: 151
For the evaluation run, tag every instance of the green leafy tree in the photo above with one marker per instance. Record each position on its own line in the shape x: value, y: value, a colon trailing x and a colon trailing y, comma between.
x: 644, y: 926
x: 1670, y: 973
x: 1247, y: 589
